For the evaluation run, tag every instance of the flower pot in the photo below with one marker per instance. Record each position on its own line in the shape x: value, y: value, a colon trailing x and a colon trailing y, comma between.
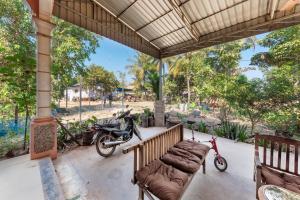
x: 151, y: 121
x: 87, y: 137
x: 144, y: 121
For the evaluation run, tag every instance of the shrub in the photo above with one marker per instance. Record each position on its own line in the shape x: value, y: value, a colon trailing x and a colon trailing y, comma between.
x: 8, y: 143
x: 202, y: 127
x: 232, y: 131
x: 242, y: 133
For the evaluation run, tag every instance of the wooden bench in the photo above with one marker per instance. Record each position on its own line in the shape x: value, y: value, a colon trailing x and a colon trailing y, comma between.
x: 281, y: 167
x: 153, y: 149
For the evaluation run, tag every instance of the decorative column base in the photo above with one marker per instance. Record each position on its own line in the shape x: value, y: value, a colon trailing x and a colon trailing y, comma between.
x: 43, y: 140
x: 159, y: 113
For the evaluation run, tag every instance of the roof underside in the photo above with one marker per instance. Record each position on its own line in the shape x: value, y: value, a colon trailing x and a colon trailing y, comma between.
x: 163, y: 28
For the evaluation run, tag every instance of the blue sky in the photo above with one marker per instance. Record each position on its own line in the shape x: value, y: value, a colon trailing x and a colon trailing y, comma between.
x: 115, y: 57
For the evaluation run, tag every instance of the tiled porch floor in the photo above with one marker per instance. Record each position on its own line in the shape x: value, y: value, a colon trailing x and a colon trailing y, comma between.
x: 86, y: 175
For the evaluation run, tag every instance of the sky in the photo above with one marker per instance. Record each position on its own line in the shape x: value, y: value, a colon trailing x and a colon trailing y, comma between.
x: 114, y: 56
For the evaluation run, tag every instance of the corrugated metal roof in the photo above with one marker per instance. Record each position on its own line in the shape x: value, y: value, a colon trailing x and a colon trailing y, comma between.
x: 158, y: 22
x: 168, y: 24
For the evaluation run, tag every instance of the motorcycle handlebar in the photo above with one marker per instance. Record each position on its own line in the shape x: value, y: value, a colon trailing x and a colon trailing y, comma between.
x: 124, y: 114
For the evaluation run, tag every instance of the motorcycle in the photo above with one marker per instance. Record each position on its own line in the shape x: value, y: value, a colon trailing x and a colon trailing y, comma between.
x: 109, y: 136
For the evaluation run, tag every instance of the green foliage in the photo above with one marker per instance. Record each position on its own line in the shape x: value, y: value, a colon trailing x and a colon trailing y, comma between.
x: 152, y: 81
x: 202, y: 127
x: 140, y: 66
x: 232, y: 131
x: 17, y: 57
x: 192, y: 106
x: 72, y: 46
x: 8, y: 143
x: 97, y: 76
x: 147, y: 112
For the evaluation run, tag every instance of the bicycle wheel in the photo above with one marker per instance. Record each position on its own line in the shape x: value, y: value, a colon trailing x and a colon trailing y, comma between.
x: 220, y: 163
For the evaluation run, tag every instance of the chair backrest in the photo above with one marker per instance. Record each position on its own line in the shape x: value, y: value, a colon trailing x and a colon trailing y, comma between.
x: 279, y: 153
x: 154, y: 147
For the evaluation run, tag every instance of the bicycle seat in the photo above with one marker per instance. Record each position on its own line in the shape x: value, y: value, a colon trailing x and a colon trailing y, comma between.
x: 190, y: 122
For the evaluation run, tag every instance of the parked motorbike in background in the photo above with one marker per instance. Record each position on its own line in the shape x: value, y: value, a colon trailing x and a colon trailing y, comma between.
x: 108, y: 136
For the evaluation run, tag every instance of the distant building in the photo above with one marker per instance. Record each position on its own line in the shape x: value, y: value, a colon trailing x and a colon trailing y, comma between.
x: 73, y: 93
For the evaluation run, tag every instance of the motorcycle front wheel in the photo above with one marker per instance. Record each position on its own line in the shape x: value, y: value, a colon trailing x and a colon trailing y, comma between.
x: 101, y: 149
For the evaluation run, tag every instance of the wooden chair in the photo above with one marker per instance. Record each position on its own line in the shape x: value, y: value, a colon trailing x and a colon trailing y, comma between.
x: 275, y: 147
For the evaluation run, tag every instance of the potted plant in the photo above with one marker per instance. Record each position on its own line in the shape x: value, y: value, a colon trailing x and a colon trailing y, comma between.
x: 87, y: 133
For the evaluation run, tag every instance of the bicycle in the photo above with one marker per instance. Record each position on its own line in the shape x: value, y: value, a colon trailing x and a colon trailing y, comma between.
x: 219, y: 161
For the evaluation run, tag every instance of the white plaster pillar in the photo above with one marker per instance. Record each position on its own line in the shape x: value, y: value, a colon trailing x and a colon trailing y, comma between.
x: 43, y: 72
x: 43, y: 139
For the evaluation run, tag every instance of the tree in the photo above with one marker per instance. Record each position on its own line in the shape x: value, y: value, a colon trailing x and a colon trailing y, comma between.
x: 96, y: 76
x: 17, y: 53
x: 284, y: 48
x: 185, y: 65
x: 249, y: 97
x: 152, y: 82
x: 71, y: 46
x: 280, y: 65
x: 139, y: 67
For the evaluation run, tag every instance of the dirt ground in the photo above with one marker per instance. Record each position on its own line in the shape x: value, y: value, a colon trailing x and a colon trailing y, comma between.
x: 96, y: 108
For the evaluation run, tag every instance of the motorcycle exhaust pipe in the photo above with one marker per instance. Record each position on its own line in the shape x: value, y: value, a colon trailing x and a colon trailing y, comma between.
x: 113, y: 143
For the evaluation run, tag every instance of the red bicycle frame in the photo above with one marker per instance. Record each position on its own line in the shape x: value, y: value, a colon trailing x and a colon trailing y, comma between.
x: 214, y: 146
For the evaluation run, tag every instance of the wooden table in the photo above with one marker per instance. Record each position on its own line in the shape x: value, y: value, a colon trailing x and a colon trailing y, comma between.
x: 272, y: 192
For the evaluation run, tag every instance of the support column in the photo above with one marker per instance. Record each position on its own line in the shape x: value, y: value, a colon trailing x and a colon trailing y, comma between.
x: 43, y: 128
x: 159, y: 105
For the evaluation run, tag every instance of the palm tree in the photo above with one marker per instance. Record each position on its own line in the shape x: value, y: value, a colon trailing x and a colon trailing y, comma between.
x: 139, y: 67
x: 185, y: 65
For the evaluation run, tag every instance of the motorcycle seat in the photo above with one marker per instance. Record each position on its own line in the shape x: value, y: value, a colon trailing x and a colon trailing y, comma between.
x: 119, y: 133
x: 111, y: 129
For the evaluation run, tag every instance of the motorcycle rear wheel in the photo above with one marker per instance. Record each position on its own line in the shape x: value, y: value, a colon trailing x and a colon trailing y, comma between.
x: 104, y: 151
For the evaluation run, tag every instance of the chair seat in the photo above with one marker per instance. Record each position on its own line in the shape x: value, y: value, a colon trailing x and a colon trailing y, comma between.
x: 164, y: 181
x: 182, y: 160
x: 287, y: 181
x: 195, y: 148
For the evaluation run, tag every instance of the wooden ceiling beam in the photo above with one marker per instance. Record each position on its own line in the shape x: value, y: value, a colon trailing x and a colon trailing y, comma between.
x: 245, y: 29
x: 185, y: 19
x: 123, y: 11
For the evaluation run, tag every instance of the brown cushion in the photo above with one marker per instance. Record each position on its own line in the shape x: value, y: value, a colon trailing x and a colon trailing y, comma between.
x: 293, y: 187
x: 184, y: 153
x: 278, y: 178
x: 270, y: 177
x: 291, y: 179
x: 195, y: 148
x: 182, y: 160
x: 164, y: 181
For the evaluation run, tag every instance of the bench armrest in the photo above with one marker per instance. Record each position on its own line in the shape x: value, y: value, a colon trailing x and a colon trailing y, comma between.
x: 256, y: 158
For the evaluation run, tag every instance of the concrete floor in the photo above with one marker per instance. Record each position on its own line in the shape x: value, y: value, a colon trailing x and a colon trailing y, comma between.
x: 84, y: 174
x: 20, y: 179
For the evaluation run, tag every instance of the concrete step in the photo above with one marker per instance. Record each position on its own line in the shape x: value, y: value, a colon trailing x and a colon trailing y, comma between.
x: 50, y: 183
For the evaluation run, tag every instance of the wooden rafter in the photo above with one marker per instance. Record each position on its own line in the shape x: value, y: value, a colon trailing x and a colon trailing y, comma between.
x: 185, y: 19
x: 274, y: 4
x: 221, y: 10
x: 123, y: 11
x: 168, y: 33
x: 104, y: 24
x: 225, y: 35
